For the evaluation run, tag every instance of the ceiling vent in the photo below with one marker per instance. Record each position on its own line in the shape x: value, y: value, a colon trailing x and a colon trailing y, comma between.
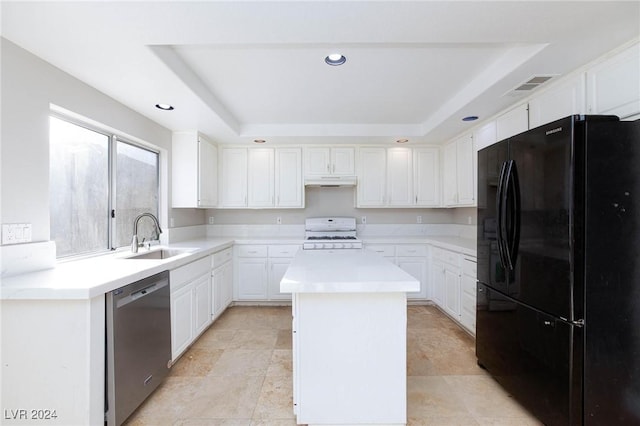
x: 532, y: 83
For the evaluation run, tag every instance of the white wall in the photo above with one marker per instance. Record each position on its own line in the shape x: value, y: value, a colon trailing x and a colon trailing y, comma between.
x: 329, y: 202
x: 29, y: 85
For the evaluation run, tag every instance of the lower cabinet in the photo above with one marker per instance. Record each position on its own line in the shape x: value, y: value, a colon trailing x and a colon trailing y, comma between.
x: 221, y: 281
x: 411, y: 258
x: 260, y: 269
x: 190, y: 303
x: 468, y: 293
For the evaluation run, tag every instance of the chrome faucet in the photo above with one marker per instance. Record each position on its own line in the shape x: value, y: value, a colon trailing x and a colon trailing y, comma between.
x: 134, y: 242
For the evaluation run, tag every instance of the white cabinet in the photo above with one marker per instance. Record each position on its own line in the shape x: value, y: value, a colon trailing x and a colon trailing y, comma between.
x: 468, y: 293
x: 513, y: 122
x: 613, y: 86
x: 288, y: 178
x: 446, y: 280
x: 458, y: 186
x: 260, y: 269
x: 221, y: 281
x: 261, y: 178
x: 323, y: 161
x: 190, y: 303
x: 559, y: 101
x: 412, y: 258
x: 485, y: 135
x: 372, y: 177
x: 426, y: 177
x: 233, y: 177
x: 194, y: 165
x: 400, y: 177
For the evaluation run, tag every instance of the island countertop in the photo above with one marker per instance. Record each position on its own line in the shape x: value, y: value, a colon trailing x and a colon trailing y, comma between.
x: 345, y: 271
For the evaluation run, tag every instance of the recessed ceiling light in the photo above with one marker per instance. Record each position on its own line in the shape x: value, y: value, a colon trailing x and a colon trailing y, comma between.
x: 335, y: 59
x: 470, y: 118
x: 259, y: 141
x: 402, y: 141
x: 164, y: 107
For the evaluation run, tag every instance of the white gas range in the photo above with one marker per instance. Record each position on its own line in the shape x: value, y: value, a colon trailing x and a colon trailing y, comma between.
x: 329, y: 233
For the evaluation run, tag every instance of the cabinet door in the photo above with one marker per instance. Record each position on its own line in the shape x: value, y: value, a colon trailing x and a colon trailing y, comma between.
x: 343, y: 161
x: 372, y: 177
x: 452, y: 295
x: 449, y: 175
x: 261, y: 177
x: 426, y: 180
x: 400, y: 177
x: 233, y: 185
x: 181, y: 320
x: 439, y: 288
x: 252, y: 279
x: 277, y: 268
x: 559, y: 101
x: 317, y: 161
x: 485, y: 136
x: 614, y: 86
x: 208, y: 174
x: 202, y: 303
x: 216, y: 291
x: 465, y: 170
x: 227, y: 284
x: 289, y: 186
x: 468, y: 302
x: 417, y: 268
x: 512, y: 122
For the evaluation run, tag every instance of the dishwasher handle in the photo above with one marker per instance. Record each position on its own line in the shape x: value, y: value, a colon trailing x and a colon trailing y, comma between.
x: 132, y: 297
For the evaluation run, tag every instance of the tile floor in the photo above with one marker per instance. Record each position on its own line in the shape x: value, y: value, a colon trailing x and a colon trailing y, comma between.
x: 239, y: 373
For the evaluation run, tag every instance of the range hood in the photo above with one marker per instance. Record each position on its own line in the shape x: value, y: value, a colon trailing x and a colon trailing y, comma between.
x: 330, y: 181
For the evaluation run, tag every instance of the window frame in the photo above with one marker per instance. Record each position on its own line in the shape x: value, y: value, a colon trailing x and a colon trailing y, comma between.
x: 113, y: 138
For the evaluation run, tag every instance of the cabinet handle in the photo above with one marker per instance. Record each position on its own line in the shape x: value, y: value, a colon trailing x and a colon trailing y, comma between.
x: 416, y: 199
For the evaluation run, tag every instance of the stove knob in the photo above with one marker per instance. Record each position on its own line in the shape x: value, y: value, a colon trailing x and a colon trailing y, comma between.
x: 318, y: 245
x: 328, y: 245
x: 337, y: 245
x: 348, y: 245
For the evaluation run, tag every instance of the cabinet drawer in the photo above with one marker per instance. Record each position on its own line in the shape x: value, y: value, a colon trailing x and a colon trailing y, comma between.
x: 469, y: 288
x: 446, y: 256
x: 384, y: 250
x: 469, y: 266
x: 251, y: 251
x: 283, y: 250
x: 411, y: 250
x: 221, y: 257
x: 184, y: 274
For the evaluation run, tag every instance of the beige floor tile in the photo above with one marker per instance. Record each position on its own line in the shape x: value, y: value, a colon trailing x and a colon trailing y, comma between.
x: 281, y: 363
x: 242, y: 362
x: 484, y: 397
x: 230, y: 397
x: 254, y: 339
x: 213, y: 422
x: 165, y: 405
x: 514, y: 421
x: 274, y: 422
x: 443, y: 421
x: 196, y: 362
x: 216, y: 338
x: 284, y: 340
x: 276, y: 399
x: 433, y: 397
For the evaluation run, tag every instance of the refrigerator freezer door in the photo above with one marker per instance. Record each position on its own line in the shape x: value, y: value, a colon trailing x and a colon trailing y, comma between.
x: 531, y: 355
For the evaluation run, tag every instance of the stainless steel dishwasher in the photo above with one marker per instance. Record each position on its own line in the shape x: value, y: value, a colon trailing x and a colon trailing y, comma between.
x: 138, y: 346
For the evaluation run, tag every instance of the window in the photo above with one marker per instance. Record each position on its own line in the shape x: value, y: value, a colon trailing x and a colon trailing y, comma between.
x: 98, y: 184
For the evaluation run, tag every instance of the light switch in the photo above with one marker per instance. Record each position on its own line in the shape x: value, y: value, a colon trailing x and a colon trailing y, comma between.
x: 15, y: 233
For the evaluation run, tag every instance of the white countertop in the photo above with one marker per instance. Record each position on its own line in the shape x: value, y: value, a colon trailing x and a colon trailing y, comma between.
x: 461, y: 245
x: 345, y: 271
x: 91, y: 277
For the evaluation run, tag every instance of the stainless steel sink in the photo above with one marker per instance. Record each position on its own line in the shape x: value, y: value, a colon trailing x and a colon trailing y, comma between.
x: 158, y: 254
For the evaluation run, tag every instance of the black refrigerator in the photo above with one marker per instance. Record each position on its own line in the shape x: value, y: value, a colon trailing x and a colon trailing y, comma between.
x: 558, y: 302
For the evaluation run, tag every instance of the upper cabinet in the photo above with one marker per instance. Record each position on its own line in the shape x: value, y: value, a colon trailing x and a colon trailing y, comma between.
x: 261, y: 178
x: 559, y: 101
x: 459, y: 180
x: 323, y: 161
x: 613, y: 86
x: 512, y: 122
x: 193, y: 187
x: 398, y: 177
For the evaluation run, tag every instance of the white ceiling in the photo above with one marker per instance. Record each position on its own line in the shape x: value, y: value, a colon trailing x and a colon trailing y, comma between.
x: 242, y: 70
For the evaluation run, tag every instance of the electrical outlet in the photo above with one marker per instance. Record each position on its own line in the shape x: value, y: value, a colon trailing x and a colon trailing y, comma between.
x: 15, y: 233
x: 364, y: 220
x: 211, y: 220
x: 279, y: 220
x: 418, y: 219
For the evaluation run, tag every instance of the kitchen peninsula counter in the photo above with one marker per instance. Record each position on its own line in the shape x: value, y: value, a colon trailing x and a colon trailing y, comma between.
x: 349, y: 337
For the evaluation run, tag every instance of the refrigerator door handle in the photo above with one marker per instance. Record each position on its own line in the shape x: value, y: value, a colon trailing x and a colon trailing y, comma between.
x: 500, y: 202
x: 513, y: 197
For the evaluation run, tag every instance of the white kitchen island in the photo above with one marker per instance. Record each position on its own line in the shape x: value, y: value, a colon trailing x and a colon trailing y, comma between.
x: 349, y: 337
